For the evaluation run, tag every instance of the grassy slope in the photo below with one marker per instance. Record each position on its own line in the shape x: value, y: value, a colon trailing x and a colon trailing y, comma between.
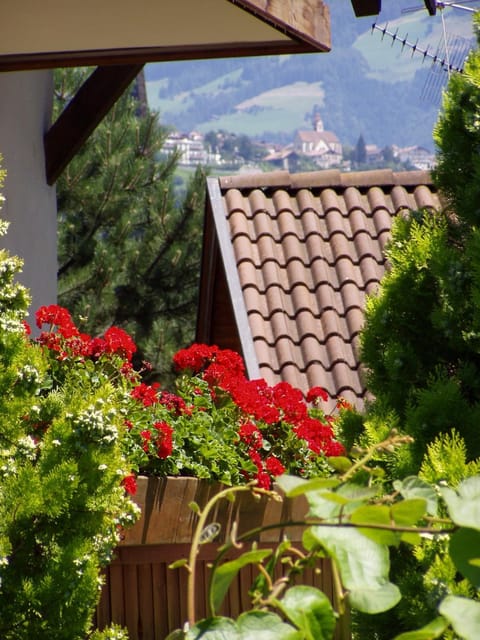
x: 370, y: 88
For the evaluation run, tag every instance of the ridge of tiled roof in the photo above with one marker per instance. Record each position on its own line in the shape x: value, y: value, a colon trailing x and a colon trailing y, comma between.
x: 302, y: 252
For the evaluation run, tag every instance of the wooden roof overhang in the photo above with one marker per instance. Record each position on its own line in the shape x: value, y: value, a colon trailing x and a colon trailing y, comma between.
x: 119, y: 37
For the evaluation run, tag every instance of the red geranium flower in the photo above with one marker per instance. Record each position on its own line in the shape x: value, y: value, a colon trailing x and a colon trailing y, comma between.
x: 164, y: 440
x: 316, y: 393
x: 147, y: 394
x: 274, y: 466
x: 130, y: 484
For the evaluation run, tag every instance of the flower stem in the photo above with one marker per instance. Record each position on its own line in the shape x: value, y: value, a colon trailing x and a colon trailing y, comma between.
x: 196, y: 542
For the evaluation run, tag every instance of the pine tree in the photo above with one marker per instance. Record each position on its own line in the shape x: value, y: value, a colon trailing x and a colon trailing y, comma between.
x: 360, y: 151
x: 129, y: 241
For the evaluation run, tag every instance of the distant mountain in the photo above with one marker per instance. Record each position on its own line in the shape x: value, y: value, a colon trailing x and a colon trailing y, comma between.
x: 365, y: 86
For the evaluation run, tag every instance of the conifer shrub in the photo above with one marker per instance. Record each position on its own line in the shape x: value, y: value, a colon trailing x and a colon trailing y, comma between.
x: 61, y: 498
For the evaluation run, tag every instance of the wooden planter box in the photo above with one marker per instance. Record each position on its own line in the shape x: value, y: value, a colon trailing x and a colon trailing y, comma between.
x: 144, y: 595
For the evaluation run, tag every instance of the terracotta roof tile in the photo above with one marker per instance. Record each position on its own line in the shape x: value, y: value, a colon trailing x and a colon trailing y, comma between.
x: 307, y: 249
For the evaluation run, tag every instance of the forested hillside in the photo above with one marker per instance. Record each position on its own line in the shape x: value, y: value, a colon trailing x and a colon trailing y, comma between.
x: 364, y: 86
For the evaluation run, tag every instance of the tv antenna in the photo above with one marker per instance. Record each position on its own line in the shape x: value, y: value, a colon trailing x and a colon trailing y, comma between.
x: 432, y: 5
x: 449, y: 55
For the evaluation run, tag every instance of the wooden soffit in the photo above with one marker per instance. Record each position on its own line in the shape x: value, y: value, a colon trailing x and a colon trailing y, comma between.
x: 56, y: 33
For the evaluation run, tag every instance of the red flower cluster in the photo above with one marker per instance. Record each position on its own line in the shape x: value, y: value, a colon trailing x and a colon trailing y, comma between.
x: 270, y: 429
x: 268, y: 415
x: 64, y: 337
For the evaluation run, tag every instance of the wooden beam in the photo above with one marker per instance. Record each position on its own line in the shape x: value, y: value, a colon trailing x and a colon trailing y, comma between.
x: 92, y: 102
x: 144, y: 55
x: 366, y: 7
x: 306, y: 20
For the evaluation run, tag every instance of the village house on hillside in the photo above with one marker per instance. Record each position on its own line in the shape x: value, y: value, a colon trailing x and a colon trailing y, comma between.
x: 323, y: 147
x: 191, y: 149
x: 418, y: 157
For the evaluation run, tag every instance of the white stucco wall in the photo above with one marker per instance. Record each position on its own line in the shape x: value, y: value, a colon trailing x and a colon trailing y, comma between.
x: 30, y: 207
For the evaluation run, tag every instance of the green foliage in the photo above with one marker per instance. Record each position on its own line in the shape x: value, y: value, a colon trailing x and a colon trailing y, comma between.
x: 421, y: 348
x: 358, y: 526
x: 128, y: 245
x: 61, y: 499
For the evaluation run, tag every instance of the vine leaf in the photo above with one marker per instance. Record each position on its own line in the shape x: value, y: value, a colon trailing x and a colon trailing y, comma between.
x: 294, y: 486
x: 431, y: 631
x: 363, y: 566
x: 225, y: 573
x: 464, y: 504
x: 464, y: 544
x: 251, y: 625
x: 216, y: 628
x: 375, y: 515
x: 310, y: 610
x: 463, y: 614
x: 413, y: 487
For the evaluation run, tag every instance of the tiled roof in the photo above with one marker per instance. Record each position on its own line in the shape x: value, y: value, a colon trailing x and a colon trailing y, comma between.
x: 300, y: 253
x: 316, y: 136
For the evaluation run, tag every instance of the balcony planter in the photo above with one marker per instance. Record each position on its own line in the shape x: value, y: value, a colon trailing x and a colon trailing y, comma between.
x: 147, y: 597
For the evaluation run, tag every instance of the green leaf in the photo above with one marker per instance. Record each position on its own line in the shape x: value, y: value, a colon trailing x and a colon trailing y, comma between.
x: 407, y: 513
x: 225, y: 573
x: 375, y: 515
x: 363, y: 566
x: 178, y: 563
x: 294, y: 486
x: 430, y: 631
x: 464, y: 546
x: 253, y: 625
x: 329, y: 504
x: 178, y: 634
x: 310, y: 610
x: 195, y: 507
x: 411, y: 538
x: 464, y: 504
x: 340, y: 463
x: 216, y: 628
x: 464, y: 616
x: 413, y: 487
x: 380, y: 598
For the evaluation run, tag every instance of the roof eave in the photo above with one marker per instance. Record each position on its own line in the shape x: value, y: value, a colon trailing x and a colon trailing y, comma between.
x: 217, y: 239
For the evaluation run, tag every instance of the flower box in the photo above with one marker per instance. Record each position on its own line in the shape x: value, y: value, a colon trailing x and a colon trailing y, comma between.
x: 147, y: 597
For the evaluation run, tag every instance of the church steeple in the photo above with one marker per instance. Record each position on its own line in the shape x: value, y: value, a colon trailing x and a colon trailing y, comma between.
x: 317, y: 122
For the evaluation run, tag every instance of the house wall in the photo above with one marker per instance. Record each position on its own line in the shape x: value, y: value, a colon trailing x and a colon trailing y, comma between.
x: 30, y: 207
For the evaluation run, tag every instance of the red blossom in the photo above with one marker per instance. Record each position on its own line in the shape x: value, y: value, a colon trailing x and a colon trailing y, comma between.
x: 130, y: 484
x: 290, y: 401
x: 146, y: 394
x: 343, y: 404
x: 54, y: 315
x: 317, y: 434
x: 173, y: 403
x: 263, y: 480
x: 255, y: 398
x: 274, y: 466
x: 334, y: 448
x: 164, y: 440
x: 118, y: 341
x: 251, y: 435
x: 26, y: 326
x: 316, y: 393
x: 146, y: 437
x: 194, y: 358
